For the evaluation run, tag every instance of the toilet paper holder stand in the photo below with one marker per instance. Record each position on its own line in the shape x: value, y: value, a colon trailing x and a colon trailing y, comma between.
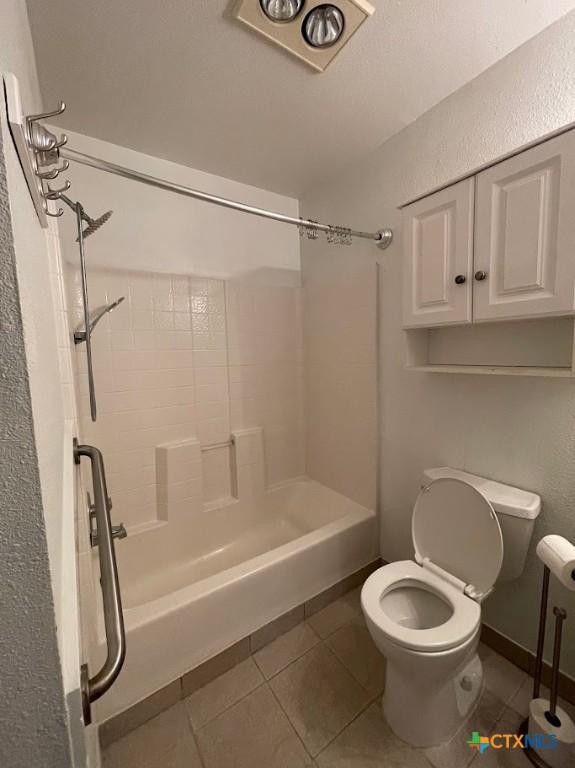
x: 551, y: 715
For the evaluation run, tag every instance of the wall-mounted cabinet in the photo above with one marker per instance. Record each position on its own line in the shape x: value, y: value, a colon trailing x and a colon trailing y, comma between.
x: 438, y: 243
x: 498, y: 246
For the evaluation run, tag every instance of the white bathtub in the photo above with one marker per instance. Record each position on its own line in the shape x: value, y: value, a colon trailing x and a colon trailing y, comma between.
x: 190, y: 596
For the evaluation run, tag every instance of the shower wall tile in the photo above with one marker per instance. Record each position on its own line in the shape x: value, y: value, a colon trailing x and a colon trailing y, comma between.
x: 187, y: 359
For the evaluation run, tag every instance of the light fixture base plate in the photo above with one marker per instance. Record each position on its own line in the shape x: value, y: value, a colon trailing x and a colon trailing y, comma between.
x: 385, y: 238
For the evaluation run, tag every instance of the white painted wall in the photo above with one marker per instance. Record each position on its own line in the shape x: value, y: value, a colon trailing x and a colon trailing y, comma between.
x: 159, y: 231
x: 34, y: 264
x: 520, y: 431
x: 47, y: 358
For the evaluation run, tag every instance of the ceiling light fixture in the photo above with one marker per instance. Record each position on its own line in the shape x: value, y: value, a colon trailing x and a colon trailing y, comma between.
x: 281, y: 11
x: 323, y: 26
x: 313, y: 30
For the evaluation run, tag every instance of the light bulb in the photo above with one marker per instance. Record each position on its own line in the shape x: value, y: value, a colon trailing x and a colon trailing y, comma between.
x: 281, y: 10
x: 323, y: 26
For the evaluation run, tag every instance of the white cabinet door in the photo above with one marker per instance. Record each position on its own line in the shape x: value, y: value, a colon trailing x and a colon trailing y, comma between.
x: 438, y: 253
x: 525, y: 234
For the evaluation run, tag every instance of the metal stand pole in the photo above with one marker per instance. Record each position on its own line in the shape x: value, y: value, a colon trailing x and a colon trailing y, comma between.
x: 541, y: 636
x: 531, y: 755
x: 560, y: 616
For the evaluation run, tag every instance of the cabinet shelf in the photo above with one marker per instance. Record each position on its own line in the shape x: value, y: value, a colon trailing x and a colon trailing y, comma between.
x: 540, y: 347
x: 495, y: 370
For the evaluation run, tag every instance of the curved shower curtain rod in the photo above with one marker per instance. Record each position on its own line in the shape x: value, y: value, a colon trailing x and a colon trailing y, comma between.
x: 382, y: 238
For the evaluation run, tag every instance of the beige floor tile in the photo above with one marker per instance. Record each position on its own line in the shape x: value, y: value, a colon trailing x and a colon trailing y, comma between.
x: 319, y: 696
x: 457, y: 753
x: 253, y: 733
x: 273, y: 657
x: 332, y: 617
x: 353, y: 646
x: 503, y: 758
x: 502, y: 677
x: 221, y: 693
x: 369, y: 743
x: 140, y: 713
x: 164, y: 742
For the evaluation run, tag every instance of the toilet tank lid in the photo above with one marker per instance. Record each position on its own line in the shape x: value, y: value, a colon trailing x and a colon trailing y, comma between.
x: 505, y: 499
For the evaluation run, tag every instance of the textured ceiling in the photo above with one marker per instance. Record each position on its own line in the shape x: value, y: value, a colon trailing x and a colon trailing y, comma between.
x: 183, y: 80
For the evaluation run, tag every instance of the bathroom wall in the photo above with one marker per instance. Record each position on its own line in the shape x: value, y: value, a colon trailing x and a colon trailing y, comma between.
x: 160, y: 231
x: 38, y: 629
x: 520, y: 431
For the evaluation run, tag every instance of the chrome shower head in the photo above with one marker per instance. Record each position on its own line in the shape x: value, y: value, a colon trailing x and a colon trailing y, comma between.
x: 114, y: 304
x: 95, y: 224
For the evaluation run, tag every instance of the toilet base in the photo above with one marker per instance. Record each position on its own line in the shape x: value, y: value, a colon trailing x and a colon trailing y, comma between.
x: 426, y: 713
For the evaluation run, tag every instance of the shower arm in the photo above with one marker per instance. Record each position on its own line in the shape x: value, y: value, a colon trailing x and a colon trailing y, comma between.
x: 382, y: 238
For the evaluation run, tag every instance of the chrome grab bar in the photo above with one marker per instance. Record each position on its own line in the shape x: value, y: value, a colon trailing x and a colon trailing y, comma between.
x: 95, y: 687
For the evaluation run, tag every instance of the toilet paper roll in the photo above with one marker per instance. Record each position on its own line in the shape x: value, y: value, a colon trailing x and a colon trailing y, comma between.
x: 562, y: 755
x: 558, y: 554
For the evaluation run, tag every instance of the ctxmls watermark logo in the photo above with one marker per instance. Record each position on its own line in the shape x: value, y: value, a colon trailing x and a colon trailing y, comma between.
x: 512, y: 741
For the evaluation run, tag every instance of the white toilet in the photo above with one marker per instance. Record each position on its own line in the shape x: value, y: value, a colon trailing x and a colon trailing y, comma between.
x: 425, y: 616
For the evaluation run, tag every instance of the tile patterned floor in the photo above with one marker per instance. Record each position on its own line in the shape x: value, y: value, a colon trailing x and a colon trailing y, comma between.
x: 312, y: 697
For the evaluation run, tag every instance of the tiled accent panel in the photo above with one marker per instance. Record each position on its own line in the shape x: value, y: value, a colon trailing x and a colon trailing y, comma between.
x: 266, y: 371
x: 184, y: 359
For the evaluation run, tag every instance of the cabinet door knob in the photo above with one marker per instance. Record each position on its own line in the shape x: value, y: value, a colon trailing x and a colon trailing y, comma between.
x: 480, y: 275
x: 460, y: 279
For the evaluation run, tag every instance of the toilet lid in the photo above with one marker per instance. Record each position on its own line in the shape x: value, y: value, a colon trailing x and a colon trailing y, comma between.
x: 456, y: 528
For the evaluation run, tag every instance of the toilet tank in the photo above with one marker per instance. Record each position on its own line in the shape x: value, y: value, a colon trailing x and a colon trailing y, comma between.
x: 516, y: 511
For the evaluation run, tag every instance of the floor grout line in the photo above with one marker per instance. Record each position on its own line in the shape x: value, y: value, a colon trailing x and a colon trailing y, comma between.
x: 338, y: 734
x: 292, y: 726
x: 226, y: 709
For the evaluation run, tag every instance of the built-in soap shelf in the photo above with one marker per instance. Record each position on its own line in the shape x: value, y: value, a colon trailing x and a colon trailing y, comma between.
x: 538, y: 347
x: 184, y: 485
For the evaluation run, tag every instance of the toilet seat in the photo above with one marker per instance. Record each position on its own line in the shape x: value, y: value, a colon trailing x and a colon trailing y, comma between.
x: 456, y: 532
x: 461, y: 625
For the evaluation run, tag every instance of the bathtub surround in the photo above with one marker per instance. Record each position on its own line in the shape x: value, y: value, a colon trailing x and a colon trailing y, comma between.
x: 181, y: 366
x: 516, y: 431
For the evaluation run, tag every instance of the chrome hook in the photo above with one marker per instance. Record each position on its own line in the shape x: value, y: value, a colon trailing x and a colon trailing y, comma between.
x: 48, y: 212
x: 46, y: 115
x: 63, y: 140
x: 50, y: 175
x: 54, y: 194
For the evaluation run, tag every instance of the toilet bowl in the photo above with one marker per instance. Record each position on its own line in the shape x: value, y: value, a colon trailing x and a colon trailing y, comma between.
x: 424, y: 615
